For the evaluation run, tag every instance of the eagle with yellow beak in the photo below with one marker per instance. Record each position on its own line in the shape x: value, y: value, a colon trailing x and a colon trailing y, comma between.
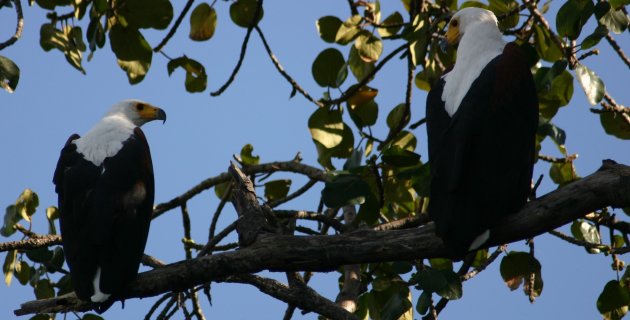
x: 482, y: 118
x: 105, y: 185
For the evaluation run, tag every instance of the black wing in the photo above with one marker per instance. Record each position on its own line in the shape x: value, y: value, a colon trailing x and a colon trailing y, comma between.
x: 482, y: 158
x: 105, y: 214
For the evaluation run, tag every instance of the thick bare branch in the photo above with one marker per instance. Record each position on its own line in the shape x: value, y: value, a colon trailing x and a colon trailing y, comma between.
x: 32, y: 243
x: 609, y: 186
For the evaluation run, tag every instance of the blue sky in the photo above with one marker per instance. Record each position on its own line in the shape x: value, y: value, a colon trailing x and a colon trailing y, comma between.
x: 202, y: 133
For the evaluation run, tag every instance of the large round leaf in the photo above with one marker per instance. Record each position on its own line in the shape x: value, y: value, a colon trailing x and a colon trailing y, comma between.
x: 132, y: 50
x: 203, y: 22
x: 242, y: 12
x: 328, y: 27
x: 329, y: 68
x: 9, y: 74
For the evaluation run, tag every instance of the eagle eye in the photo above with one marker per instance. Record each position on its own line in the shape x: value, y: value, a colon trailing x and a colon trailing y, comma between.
x: 454, y: 23
x: 139, y: 106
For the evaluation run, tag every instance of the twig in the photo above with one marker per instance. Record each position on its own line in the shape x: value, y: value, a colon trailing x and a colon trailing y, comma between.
x: 287, y: 166
x: 404, y: 223
x: 18, y: 29
x: 484, y: 265
x: 186, y: 224
x: 578, y: 242
x: 294, y: 195
x: 217, y: 213
x: 284, y: 74
x: 175, y: 26
x: 393, y: 133
x: 551, y: 159
x: 208, y: 247
x: 352, y: 90
x: 32, y: 243
x: 617, y: 49
x: 157, y: 305
x: 300, y: 295
x: 612, y: 106
x: 417, y: 124
x: 300, y: 214
x: 243, y: 50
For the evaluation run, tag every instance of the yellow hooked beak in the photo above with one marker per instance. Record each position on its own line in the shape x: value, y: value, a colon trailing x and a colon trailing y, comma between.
x: 452, y: 34
x: 149, y: 112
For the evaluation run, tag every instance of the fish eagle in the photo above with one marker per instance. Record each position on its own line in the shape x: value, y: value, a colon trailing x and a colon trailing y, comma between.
x: 482, y: 118
x: 105, y: 185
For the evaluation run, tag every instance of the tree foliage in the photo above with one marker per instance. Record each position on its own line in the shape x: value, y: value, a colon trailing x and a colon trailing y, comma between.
x: 385, y: 178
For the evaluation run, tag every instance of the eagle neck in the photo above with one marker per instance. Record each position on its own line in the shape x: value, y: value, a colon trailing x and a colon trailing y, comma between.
x: 478, y: 46
x: 105, y: 139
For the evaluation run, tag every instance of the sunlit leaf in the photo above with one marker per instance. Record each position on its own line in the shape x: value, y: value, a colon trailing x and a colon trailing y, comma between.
x: 52, y: 214
x: 615, y: 20
x: 326, y: 127
x: 9, y: 74
x: 441, y: 263
x: 359, y: 67
x: 11, y: 217
x: 547, y: 49
x: 563, y: 173
x: 348, y: 30
x: 328, y: 26
x: 8, y: 267
x: 502, y: 7
x: 133, y: 52
x: 247, y: 155
x: 585, y: 231
x: 242, y: 12
x: 23, y: 272
x: 593, y: 86
x: 391, y: 25
x: 368, y: 46
x: 26, y: 204
x: 203, y: 22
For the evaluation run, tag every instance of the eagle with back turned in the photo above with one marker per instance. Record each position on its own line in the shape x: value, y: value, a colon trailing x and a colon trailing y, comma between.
x: 482, y: 118
x: 105, y: 186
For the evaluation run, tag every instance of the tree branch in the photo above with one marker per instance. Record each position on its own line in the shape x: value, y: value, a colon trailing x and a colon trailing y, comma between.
x: 32, y: 243
x: 617, y: 49
x: 609, y: 186
x: 171, y: 32
x: 18, y: 29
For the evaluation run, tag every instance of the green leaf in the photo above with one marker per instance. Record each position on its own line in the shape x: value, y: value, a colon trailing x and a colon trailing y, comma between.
x: 615, y: 125
x: 423, y: 303
x: 44, y: 289
x: 397, y: 116
x: 11, y: 217
x: 548, y: 129
x: 69, y: 41
x: 572, y: 16
x: 327, y: 67
x: 613, y: 302
x: 345, y: 189
x: 326, y: 127
x: 391, y: 25
x: 196, y: 77
x: 585, y: 231
x: 348, y: 30
x: 554, y: 89
x: 56, y: 261
x: 405, y: 140
x: 23, y: 272
x: 277, y: 189
x: 398, y: 306
x: 399, y: 157
x: 481, y: 257
x: 502, y: 7
x: 368, y: 46
x: 39, y: 255
x: 26, y: 204
x: 563, y: 173
x: 220, y: 189
x: 594, y: 38
x: 547, y: 49
x: 445, y: 282
x: 453, y: 289
x: 473, y: 4
x: 64, y: 285
x: 441, y: 263
x: 203, y: 22
x: 143, y: 14
x: 9, y: 74
x: 362, y: 107
x: 100, y: 6
x: 9, y: 266
x: 593, y: 86
x: 359, y: 67
x: 51, y: 4
x: 247, y: 156
x: 242, y: 12
x: 52, y: 214
x: 617, y: 4
x: 615, y: 20
x: 91, y: 316
x: 517, y: 266
x: 328, y: 26
x: 42, y: 316
x: 132, y: 51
